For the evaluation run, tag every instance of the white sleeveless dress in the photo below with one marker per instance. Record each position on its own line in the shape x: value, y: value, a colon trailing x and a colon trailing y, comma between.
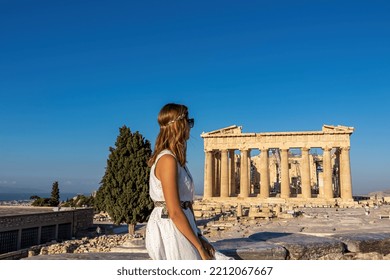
x: 163, y: 240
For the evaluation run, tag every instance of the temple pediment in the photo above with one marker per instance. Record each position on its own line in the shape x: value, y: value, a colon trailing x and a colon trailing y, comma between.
x: 233, y: 129
x: 341, y: 128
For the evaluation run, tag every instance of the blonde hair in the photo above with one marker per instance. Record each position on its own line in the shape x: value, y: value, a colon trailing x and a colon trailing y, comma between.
x: 174, y: 131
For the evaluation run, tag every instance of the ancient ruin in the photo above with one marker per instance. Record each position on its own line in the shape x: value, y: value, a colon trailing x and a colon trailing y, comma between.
x: 310, y: 167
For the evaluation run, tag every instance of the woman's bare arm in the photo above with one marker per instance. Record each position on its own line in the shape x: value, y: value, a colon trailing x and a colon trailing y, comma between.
x: 166, y: 172
x: 206, y: 244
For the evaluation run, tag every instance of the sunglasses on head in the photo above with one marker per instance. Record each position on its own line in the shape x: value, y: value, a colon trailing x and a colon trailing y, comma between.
x: 191, y: 122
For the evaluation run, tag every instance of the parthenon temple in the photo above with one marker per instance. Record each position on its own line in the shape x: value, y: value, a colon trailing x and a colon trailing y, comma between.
x: 304, y: 166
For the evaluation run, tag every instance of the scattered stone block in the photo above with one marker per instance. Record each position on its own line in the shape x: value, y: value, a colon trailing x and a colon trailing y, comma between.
x: 198, y: 214
x: 300, y: 246
x: 366, y: 242
x: 246, y: 249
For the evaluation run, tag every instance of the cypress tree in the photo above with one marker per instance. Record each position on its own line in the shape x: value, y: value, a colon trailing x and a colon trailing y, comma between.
x: 55, y: 195
x: 124, y: 190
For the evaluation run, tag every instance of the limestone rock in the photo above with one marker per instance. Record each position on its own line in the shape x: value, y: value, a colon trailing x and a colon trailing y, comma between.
x: 302, y: 247
x: 246, y: 249
x: 366, y: 242
x: 102, y: 243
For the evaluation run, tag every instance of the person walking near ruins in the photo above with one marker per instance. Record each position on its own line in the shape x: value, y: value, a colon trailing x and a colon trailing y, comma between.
x: 171, y: 232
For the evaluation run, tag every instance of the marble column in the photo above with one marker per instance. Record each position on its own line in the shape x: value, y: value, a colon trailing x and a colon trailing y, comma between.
x: 208, y: 186
x: 285, y: 188
x: 217, y: 174
x: 337, y: 191
x: 249, y: 173
x: 244, y: 182
x: 232, y: 179
x: 264, y: 174
x: 305, y: 174
x: 345, y: 174
x: 224, y: 173
x: 327, y: 170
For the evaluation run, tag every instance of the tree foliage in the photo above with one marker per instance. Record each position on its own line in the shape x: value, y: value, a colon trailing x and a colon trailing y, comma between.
x: 41, y: 201
x: 79, y: 201
x: 124, y: 187
x: 54, y: 199
x: 55, y: 195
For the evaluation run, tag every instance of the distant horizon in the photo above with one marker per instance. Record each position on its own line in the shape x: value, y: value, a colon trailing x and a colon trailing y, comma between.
x: 23, y: 191
x: 26, y: 196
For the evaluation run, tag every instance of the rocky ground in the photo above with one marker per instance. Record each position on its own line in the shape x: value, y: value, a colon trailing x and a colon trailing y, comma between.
x: 313, y: 221
x: 315, y: 233
x: 311, y: 233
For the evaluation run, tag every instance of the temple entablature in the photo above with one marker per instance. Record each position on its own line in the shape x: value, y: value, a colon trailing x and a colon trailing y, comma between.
x: 232, y: 138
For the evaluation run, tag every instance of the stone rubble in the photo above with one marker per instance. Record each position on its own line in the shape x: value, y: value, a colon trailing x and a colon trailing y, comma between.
x: 98, y: 244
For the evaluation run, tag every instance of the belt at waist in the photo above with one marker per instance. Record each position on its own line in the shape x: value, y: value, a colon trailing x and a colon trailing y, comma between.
x: 183, y: 204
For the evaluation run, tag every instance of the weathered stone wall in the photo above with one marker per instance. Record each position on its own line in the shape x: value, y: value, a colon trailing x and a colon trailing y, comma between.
x: 24, y: 230
x: 81, y: 218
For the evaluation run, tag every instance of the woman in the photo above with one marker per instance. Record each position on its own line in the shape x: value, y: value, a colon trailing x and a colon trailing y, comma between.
x: 171, y: 232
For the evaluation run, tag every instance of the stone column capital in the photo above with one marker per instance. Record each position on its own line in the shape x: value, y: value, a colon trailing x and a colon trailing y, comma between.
x: 345, y: 149
x: 305, y: 149
x: 338, y: 151
x: 327, y: 149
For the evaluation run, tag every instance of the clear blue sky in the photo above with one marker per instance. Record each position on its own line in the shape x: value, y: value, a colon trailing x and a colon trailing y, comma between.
x: 73, y: 72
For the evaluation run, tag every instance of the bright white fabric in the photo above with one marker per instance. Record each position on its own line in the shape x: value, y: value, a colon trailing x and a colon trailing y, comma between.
x: 163, y: 240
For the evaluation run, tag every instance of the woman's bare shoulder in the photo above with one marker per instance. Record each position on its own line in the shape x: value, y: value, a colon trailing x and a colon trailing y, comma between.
x: 166, y: 164
x: 167, y: 158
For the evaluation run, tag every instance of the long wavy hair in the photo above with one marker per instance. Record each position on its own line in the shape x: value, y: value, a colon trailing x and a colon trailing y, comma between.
x: 174, y: 132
